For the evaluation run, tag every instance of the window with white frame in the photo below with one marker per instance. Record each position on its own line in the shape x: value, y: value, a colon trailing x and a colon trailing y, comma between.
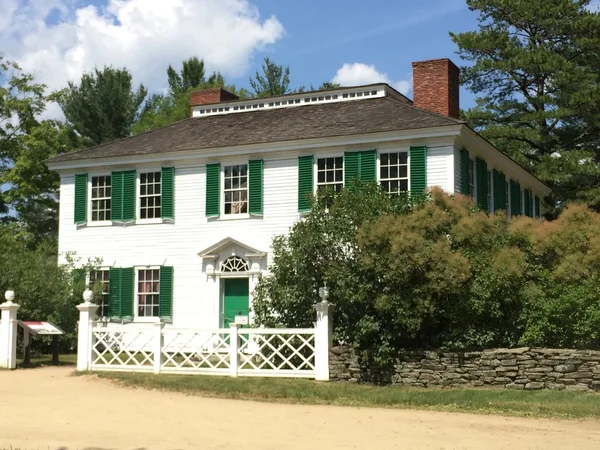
x: 490, y: 192
x: 236, y: 189
x: 148, y: 292
x: 330, y: 173
x: 100, y: 198
x: 393, y: 172
x: 472, y: 178
x: 101, y: 278
x: 150, y: 195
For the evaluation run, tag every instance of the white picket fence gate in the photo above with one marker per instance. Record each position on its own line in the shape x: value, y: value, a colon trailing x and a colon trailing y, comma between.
x: 234, y: 351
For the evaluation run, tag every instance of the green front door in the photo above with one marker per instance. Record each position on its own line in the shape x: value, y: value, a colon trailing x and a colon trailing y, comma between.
x: 236, y: 299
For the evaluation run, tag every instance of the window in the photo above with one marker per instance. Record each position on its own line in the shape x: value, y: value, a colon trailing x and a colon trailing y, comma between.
x: 507, y: 198
x: 472, y: 178
x: 101, y: 277
x: 236, y: 189
x: 490, y: 192
x: 330, y: 173
x: 148, y: 292
x: 393, y: 172
x: 150, y: 195
x: 101, y: 198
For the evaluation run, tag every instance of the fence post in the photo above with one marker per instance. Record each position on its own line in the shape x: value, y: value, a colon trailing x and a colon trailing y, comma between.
x: 323, y: 339
x: 158, y: 346
x: 234, y: 345
x: 85, y: 335
x: 8, y: 332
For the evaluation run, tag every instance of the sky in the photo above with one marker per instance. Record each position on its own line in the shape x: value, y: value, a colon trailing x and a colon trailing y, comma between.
x: 346, y: 41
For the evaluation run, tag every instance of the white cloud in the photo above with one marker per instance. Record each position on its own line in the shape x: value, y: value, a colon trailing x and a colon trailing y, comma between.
x: 143, y: 35
x: 359, y: 73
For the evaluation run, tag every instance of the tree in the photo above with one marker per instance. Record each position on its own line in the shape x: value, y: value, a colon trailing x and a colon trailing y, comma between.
x: 536, y: 72
x: 191, y: 76
x: 274, y: 80
x: 104, y: 106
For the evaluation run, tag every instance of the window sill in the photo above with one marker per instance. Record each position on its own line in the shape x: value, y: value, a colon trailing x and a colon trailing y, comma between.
x: 153, y: 221
x: 228, y: 217
x: 100, y: 223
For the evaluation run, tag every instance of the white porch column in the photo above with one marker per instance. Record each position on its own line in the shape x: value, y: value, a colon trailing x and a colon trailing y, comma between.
x: 8, y: 332
x: 85, y: 336
x: 234, y: 345
x: 323, y: 339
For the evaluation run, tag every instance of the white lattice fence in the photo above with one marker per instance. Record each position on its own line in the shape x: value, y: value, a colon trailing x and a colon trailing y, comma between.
x: 196, y: 351
x: 124, y: 348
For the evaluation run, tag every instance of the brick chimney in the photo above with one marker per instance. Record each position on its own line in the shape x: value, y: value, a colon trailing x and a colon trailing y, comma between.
x: 212, y: 95
x: 436, y: 86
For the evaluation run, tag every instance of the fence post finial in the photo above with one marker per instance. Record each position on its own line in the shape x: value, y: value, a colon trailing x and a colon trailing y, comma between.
x: 85, y: 338
x: 323, y: 339
x: 8, y: 332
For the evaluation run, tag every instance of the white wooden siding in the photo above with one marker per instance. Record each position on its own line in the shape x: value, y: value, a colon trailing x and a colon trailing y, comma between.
x: 440, y: 163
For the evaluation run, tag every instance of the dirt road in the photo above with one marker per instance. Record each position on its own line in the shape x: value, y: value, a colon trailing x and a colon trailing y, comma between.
x: 48, y: 409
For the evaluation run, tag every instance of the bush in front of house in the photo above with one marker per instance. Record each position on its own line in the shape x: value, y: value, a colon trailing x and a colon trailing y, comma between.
x: 436, y: 272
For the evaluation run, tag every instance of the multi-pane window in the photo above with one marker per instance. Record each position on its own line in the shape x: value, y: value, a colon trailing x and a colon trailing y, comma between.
x: 101, y: 198
x: 150, y: 195
x: 330, y: 173
x: 472, y: 178
x: 393, y: 172
x: 490, y: 196
x: 148, y: 292
x: 236, y: 189
x: 101, y: 278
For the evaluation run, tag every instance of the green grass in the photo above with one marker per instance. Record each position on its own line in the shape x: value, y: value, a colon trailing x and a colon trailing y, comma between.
x: 46, y: 360
x: 555, y: 404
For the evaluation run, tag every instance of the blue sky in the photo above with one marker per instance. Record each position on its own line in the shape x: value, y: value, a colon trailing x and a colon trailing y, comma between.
x: 349, y: 41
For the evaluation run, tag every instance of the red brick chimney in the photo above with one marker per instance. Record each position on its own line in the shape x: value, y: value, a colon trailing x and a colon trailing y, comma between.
x: 212, y: 95
x: 436, y: 86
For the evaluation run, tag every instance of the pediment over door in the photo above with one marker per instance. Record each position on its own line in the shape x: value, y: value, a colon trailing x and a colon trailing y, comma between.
x: 229, y: 257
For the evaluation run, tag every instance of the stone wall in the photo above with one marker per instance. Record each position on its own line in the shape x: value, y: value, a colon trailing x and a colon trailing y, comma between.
x: 520, y: 368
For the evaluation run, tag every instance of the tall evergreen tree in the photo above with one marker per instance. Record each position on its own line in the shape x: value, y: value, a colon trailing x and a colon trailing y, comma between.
x: 536, y: 72
x: 103, y: 106
x: 191, y: 76
x: 275, y: 80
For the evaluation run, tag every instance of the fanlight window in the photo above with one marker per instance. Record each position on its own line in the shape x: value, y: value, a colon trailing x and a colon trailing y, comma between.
x: 234, y: 264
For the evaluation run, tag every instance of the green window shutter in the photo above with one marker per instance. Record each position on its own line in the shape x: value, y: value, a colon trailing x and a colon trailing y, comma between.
x: 129, y: 196
x: 499, y: 190
x: 351, y: 167
x: 465, y: 187
x: 122, y: 202
x: 418, y: 169
x: 167, y: 193
x: 116, y: 197
x: 80, y: 213
x: 165, y: 298
x: 515, y: 198
x: 127, y: 281
x: 213, y: 189
x: 305, y: 182
x: 368, y: 165
x: 482, y: 183
x: 538, y: 212
x: 528, y: 203
x: 114, y: 292
x: 255, y: 186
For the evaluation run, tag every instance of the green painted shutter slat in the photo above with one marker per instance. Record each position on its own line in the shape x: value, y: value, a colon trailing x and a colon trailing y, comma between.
x: 368, y: 165
x: 528, y: 203
x: 351, y: 167
x: 213, y: 188
x: 114, y: 292
x: 167, y: 193
x: 80, y: 212
x: 515, y: 198
x: 418, y: 169
x: 127, y: 280
x: 165, y: 298
x: 255, y: 186
x: 482, y: 183
x: 129, y: 195
x: 499, y: 191
x: 305, y: 182
x: 538, y: 212
x: 116, y: 197
x: 465, y: 187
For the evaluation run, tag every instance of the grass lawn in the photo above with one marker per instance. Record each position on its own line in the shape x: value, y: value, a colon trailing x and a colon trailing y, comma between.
x: 556, y: 404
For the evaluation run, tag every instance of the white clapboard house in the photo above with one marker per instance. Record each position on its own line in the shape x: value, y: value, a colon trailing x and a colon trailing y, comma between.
x: 183, y: 216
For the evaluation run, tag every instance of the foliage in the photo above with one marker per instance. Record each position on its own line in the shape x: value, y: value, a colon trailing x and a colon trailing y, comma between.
x: 536, y: 72
x: 274, y: 80
x: 103, y: 106
x: 437, y: 274
x: 191, y: 76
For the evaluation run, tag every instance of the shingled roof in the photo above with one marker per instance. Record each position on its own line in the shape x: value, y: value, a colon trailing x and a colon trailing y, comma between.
x: 278, y: 125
